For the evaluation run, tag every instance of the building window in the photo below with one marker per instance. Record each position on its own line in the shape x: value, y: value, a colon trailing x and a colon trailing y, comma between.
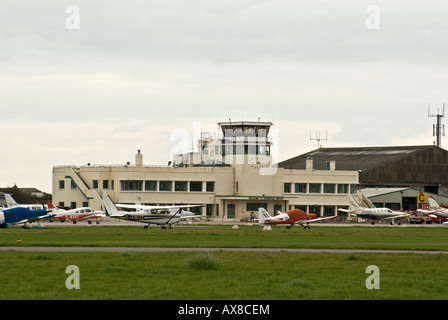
x: 73, y: 205
x: 61, y: 184
x: 165, y: 185
x: 180, y: 186
x: 72, y: 184
x: 287, y: 187
x: 131, y: 185
x: 196, y: 186
x: 315, y: 188
x: 150, y: 185
x: 210, y: 186
x: 353, y: 188
x: 329, y: 211
x: 105, y: 184
x: 95, y: 184
x: 314, y: 209
x: 300, y: 187
x: 255, y: 205
x: 342, y: 188
x: 329, y: 188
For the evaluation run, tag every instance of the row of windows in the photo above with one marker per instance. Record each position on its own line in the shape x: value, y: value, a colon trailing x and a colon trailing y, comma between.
x: 290, y: 187
x: 95, y: 184
x: 167, y: 185
x: 150, y: 185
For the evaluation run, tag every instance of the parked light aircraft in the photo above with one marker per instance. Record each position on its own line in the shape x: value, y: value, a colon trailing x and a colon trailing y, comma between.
x: 11, y: 203
x: 373, y: 213
x: 75, y: 215
x: 21, y: 215
x: 291, y: 217
x: 159, y: 215
x: 435, y: 209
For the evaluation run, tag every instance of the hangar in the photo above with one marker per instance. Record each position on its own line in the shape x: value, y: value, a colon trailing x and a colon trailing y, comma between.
x: 401, y: 172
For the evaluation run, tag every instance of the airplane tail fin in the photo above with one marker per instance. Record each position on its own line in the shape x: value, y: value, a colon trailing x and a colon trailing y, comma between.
x: 10, y: 202
x: 262, y: 215
x: 53, y: 209
x: 109, y: 206
x: 353, y: 202
x: 50, y: 206
x: 433, y: 203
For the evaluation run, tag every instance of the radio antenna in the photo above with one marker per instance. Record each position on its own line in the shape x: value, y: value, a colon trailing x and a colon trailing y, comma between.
x: 438, y: 129
x: 318, y: 138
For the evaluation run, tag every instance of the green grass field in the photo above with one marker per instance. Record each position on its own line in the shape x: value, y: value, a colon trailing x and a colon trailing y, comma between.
x: 222, y: 274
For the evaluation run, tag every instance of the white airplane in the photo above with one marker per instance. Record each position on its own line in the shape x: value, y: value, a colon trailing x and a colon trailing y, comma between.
x: 159, y: 215
x: 435, y: 208
x: 373, y: 213
x: 436, y: 211
x: 75, y: 215
x: 11, y: 203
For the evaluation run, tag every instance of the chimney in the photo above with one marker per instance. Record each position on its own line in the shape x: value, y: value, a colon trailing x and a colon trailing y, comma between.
x: 309, y: 163
x: 138, y: 159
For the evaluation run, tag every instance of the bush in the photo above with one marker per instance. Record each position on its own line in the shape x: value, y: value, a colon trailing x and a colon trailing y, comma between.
x: 204, y: 262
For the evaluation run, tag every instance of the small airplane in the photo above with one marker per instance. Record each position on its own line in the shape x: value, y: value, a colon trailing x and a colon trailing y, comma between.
x: 373, y: 213
x: 11, y: 203
x: 21, y: 215
x: 159, y: 215
x: 291, y: 218
x: 435, y: 209
x: 145, y: 208
x: 75, y: 215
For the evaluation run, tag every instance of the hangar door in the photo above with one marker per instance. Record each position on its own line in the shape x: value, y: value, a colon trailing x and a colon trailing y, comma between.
x: 409, y: 203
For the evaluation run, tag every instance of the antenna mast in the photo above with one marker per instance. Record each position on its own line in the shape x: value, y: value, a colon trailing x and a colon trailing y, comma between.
x: 438, y: 129
x: 318, y: 138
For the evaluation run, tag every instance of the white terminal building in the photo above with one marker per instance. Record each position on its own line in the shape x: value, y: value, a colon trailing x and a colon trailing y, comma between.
x: 232, y: 174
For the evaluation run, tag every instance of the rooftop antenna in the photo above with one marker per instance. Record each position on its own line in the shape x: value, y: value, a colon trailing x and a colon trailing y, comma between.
x: 438, y: 129
x: 319, y: 138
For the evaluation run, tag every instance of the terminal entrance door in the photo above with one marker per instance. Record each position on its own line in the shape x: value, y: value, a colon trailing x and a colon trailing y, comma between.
x: 230, y: 210
x: 277, y: 207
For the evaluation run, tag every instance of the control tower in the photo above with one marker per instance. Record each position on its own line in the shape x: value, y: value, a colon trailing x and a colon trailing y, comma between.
x: 237, y: 142
x: 245, y: 138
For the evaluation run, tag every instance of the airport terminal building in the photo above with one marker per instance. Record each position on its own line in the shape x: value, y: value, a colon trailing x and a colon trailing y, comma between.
x: 232, y: 175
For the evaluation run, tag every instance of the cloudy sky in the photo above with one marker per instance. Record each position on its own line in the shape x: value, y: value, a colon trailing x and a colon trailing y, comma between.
x: 95, y: 83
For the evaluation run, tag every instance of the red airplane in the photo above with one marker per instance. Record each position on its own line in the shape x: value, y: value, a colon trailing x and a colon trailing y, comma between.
x: 75, y: 215
x: 290, y: 218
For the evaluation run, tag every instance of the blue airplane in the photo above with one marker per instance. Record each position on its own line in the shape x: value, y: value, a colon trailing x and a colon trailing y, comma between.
x: 21, y: 215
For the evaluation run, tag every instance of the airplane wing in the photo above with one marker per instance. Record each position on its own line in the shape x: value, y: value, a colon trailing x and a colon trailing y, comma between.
x: 34, y: 219
x: 191, y: 216
x: 313, y: 220
x: 349, y: 211
x: 396, y: 217
x: 426, y: 211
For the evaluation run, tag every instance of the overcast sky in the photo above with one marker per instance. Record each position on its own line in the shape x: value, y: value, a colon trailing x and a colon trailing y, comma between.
x: 133, y: 73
